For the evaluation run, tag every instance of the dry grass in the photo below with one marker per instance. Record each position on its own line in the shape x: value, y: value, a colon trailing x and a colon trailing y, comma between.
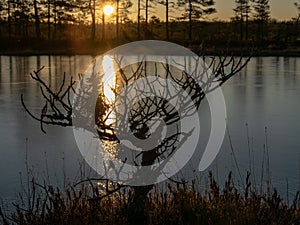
x: 179, y: 204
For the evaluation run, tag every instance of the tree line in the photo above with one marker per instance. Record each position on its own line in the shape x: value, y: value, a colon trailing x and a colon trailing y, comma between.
x: 19, y: 15
x: 59, y: 19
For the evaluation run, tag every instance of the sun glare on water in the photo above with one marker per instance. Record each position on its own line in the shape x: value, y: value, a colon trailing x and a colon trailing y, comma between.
x: 109, y: 80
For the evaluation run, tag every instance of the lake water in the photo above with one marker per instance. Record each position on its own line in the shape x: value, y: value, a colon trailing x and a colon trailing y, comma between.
x: 265, y: 95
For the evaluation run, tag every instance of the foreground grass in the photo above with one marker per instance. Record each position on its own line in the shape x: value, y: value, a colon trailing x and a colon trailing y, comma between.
x: 179, y: 204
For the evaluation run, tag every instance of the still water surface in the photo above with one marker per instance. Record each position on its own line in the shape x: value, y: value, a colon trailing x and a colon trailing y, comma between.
x: 265, y: 95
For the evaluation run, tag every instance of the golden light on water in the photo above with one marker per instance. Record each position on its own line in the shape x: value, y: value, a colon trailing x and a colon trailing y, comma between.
x: 108, y: 10
x: 109, y: 80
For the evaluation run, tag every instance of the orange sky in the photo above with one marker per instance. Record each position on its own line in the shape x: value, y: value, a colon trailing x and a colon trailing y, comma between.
x: 280, y: 9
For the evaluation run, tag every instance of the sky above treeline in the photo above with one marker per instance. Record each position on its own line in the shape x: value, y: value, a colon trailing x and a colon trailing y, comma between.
x: 280, y: 10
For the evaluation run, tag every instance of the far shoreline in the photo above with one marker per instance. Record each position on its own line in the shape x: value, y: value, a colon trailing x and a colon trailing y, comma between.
x: 212, y: 52
x: 87, y: 47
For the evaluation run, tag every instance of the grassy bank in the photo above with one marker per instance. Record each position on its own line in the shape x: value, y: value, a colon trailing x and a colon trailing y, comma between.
x: 176, y: 204
x: 87, y: 47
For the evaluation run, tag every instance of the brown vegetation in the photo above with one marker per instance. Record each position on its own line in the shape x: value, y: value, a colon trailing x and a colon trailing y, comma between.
x: 179, y: 203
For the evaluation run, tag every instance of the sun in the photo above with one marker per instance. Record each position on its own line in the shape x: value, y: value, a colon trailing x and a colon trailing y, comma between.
x: 108, y: 10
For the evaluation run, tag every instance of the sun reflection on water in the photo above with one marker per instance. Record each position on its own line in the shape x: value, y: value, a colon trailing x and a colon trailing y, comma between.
x: 109, y: 85
x: 108, y: 88
x: 109, y: 78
